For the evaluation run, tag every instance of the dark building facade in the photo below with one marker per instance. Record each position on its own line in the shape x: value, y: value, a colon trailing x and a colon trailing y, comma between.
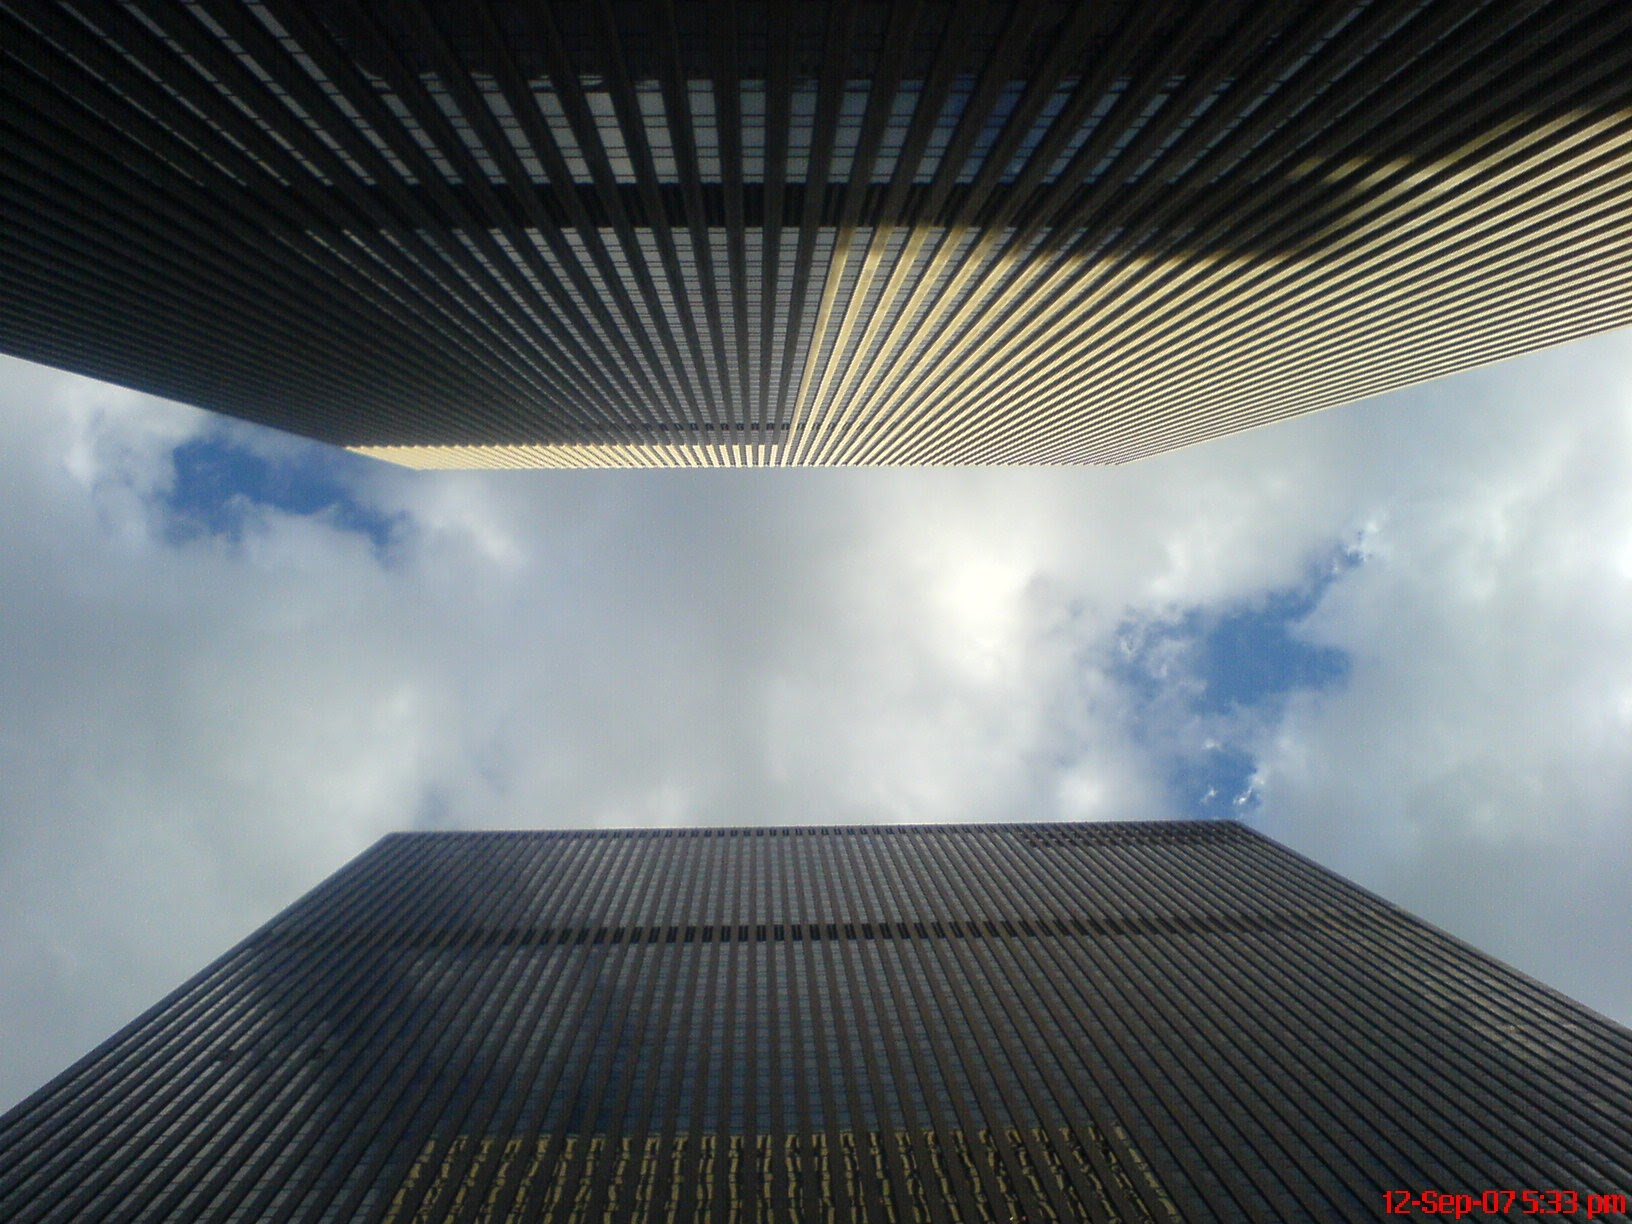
x: 491, y: 233
x: 1141, y: 1022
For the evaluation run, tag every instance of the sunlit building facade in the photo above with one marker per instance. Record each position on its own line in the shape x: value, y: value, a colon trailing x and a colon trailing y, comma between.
x: 1131, y: 1022
x: 508, y: 234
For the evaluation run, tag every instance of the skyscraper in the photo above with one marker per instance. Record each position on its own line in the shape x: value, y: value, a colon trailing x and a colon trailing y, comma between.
x: 1153, y: 1022
x: 495, y: 233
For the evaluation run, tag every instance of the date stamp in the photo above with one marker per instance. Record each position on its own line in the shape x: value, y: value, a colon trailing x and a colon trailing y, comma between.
x: 1502, y: 1202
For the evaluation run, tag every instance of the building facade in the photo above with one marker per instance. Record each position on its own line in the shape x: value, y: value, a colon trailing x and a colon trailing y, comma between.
x: 1134, y: 1022
x: 490, y: 233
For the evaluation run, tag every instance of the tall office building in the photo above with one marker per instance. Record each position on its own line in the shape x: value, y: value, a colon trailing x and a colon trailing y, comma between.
x: 486, y: 232
x: 1158, y: 1022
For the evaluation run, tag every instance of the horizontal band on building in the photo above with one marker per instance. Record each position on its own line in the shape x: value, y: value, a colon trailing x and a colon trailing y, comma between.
x: 815, y: 932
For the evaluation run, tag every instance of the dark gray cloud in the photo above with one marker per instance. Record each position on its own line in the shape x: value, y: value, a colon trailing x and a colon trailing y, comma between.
x: 234, y: 661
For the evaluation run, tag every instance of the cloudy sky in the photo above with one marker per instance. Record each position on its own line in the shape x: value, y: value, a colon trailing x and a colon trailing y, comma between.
x: 1396, y: 636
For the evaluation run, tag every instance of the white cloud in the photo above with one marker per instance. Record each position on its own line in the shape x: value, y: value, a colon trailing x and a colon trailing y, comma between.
x: 192, y: 733
x: 1478, y: 765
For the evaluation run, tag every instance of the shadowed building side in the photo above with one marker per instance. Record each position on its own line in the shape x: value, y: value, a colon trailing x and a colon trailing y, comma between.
x: 1132, y: 1022
x: 920, y: 233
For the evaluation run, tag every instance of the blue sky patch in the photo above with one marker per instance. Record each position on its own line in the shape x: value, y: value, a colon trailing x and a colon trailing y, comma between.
x: 1206, y: 681
x: 219, y: 483
x: 1250, y: 655
x: 1216, y: 782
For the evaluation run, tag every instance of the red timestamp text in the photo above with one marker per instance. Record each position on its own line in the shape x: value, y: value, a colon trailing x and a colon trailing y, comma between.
x: 1502, y: 1202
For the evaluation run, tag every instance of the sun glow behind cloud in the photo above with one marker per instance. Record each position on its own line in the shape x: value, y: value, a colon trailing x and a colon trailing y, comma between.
x: 1392, y: 635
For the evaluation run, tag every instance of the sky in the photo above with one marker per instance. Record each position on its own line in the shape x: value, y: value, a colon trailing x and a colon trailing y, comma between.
x: 1396, y: 636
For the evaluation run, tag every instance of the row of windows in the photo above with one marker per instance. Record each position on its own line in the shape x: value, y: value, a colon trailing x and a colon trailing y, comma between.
x: 618, y: 150
x: 622, y: 156
x: 913, y: 1177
